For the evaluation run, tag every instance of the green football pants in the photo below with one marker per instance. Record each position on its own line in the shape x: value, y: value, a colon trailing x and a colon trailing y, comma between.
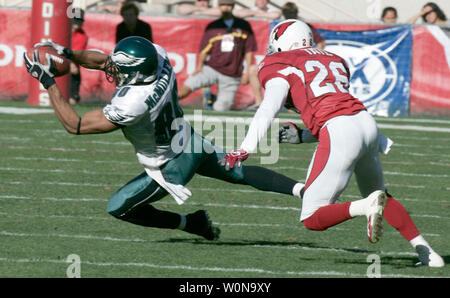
x: 180, y: 170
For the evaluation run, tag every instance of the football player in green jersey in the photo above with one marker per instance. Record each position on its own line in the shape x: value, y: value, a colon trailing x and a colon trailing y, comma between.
x: 145, y: 107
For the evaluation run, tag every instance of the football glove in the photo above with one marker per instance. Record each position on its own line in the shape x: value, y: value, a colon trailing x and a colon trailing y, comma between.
x: 290, y: 133
x: 65, y: 52
x: 43, y: 73
x: 235, y: 157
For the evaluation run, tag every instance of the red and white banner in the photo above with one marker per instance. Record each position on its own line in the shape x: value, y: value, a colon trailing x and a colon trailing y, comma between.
x: 430, y: 82
x: 430, y: 87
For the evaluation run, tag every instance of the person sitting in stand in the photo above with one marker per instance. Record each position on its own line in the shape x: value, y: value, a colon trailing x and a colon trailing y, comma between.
x: 132, y: 25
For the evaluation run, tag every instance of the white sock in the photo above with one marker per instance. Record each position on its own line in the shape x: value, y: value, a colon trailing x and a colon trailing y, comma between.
x: 419, y: 240
x: 297, y: 189
x: 358, y: 208
x: 182, y: 222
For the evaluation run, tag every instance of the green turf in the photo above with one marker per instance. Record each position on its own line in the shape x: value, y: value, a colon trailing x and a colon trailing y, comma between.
x: 55, y: 186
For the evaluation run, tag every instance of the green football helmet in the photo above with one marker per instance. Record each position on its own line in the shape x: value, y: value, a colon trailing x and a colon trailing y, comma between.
x: 133, y: 61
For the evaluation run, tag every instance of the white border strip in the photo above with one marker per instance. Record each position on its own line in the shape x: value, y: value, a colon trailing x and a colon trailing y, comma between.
x: 24, y: 111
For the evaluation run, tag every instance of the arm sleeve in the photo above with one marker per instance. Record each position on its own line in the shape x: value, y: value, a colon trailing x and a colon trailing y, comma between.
x: 277, y: 90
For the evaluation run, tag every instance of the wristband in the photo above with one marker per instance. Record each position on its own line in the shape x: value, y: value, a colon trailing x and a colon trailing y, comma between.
x: 68, y: 53
x: 48, y: 83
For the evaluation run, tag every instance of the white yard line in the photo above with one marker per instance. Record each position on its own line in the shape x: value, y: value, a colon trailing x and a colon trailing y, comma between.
x: 205, y: 204
x: 217, y: 140
x: 193, y: 268
x: 298, y: 149
x: 88, y: 172
x: 295, y: 226
x: 283, y: 158
x: 115, y: 239
x: 214, y: 269
x: 196, y: 268
x: 241, y: 119
x: 205, y: 189
x: 209, y: 269
x: 24, y: 111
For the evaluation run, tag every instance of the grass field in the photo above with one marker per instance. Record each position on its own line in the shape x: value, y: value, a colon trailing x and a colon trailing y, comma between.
x: 55, y: 186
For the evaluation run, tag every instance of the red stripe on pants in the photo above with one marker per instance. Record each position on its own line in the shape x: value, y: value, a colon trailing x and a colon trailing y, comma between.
x: 321, y: 156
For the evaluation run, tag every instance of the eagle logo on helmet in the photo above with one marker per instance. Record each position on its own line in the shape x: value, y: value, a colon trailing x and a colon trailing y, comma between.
x: 281, y: 29
x: 123, y: 59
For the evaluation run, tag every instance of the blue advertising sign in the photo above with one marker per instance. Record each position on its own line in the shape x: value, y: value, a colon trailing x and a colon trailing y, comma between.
x: 380, y: 66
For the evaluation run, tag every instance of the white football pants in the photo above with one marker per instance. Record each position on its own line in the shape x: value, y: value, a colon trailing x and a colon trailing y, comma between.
x: 347, y: 144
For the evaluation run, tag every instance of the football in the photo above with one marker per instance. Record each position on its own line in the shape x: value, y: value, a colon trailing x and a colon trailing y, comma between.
x: 62, y: 64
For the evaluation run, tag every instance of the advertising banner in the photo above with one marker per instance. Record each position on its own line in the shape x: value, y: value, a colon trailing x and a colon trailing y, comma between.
x: 380, y: 66
x: 396, y: 71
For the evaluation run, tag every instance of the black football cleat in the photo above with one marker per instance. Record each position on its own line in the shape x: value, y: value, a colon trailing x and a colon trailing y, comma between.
x: 198, y: 223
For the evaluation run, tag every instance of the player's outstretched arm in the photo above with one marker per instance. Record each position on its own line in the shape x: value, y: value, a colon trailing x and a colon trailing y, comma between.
x: 92, y: 59
x: 274, y: 98
x: 92, y: 122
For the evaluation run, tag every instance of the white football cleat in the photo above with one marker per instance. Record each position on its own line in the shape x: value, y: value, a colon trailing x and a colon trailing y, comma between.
x: 428, y: 257
x: 375, y: 209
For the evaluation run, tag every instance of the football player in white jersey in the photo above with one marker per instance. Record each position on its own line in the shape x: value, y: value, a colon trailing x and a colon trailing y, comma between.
x: 145, y: 107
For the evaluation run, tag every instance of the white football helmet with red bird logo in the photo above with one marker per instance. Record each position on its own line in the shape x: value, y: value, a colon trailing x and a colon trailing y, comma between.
x: 289, y: 35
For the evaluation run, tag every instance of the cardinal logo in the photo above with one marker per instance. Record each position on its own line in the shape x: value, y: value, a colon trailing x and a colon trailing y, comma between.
x: 124, y: 59
x: 280, y: 29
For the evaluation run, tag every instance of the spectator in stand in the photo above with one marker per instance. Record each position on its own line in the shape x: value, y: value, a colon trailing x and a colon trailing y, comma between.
x: 261, y: 10
x: 389, y: 15
x: 79, y: 42
x: 200, y: 7
x: 289, y: 11
x: 132, y: 25
x: 226, y: 43
x: 204, y: 8
x: 430, y: 14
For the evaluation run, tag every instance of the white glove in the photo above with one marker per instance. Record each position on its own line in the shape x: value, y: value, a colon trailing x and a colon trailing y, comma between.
x: 43, y: 73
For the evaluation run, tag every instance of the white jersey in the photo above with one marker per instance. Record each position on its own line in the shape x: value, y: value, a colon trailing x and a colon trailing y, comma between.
x: 146, y: 114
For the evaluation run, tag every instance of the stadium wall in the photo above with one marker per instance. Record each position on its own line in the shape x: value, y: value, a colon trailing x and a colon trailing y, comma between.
x: 180, y: 36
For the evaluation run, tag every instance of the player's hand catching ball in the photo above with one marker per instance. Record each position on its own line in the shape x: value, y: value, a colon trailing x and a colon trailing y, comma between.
x: 43, y: 73
x: 235, y: 157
